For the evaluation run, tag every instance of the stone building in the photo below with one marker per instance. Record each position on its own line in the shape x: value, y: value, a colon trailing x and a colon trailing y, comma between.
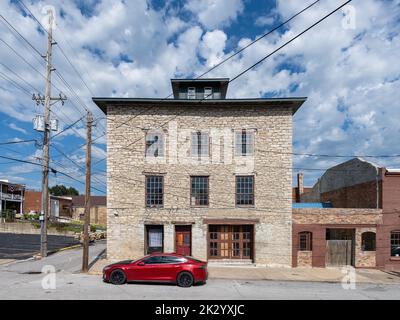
x: 200, y: 174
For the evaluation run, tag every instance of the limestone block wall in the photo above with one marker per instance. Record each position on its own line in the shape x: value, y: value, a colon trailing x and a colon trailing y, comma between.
x: 127, y: 167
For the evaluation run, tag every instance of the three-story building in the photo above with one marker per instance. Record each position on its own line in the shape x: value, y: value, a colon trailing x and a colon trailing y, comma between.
x: 200, y: 174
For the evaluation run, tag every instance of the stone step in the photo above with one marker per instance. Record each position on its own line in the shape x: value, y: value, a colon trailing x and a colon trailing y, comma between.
x: 231, y: 262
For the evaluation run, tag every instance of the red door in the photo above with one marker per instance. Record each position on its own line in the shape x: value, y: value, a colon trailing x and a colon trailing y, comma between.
x: 183, y: 240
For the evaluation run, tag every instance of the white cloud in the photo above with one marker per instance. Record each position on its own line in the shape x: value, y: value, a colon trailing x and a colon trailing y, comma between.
x: 215, y: 13
x: 15, y: 127
x: 264, y: 21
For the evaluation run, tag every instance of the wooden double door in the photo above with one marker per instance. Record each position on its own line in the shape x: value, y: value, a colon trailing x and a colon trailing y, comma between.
x: 230, y: 241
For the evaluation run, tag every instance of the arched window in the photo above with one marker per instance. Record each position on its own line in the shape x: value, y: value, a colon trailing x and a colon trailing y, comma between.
x: 395, y: 243
x: 368, y: 241
x: 305, y: 241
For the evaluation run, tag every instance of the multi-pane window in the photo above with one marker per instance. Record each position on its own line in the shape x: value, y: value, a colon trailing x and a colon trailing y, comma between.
x: 200, y: 144
x: 208, y: 94
x: 154, y: 191
x: 191, y: 93
x: 368, y: 241
x: 154, y: 145
x: 244, y: 142
x: 230, y: 241
x: 199, y: 191
x: 213, y: 241
x: 245, y: 190
x: 395, y: 243
x: 305, y: 241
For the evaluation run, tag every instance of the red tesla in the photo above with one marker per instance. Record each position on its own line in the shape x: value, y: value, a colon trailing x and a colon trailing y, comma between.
x: 158, y: 267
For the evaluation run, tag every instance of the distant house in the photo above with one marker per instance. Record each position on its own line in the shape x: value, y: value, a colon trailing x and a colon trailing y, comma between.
x: 12, y: 196
x: 98, y: 209
x: 60, y: 206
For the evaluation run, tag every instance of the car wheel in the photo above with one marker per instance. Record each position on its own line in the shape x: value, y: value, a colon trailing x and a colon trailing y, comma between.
x: 117, y: 277
x: 185, y: 279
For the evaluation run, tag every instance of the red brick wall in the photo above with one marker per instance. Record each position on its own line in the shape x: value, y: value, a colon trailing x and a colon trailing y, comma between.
x: 32, y: 201
x: 391, y: 222
x: 362, y: 195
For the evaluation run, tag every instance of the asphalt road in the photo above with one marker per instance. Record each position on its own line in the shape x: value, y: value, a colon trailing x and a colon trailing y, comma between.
x: 24, y: 280
x: 23, y: 246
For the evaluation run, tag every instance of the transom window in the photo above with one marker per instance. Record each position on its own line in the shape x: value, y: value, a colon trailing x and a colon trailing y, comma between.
x: 395, y: 243
x: 199, y: 191
x: 368, y: 241
x: 154, y: 191
x: 305, y: 241
x: 154, y: 144
x: 244, y: 142
x: 208, y: 93
x: 191, y: 93
x: 244, y: 190
x: 200, y: 144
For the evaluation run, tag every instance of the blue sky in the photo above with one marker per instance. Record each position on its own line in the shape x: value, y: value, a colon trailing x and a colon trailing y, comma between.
x: 348, y: 69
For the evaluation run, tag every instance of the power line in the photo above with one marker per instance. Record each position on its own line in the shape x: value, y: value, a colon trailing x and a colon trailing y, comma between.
x: 258, y: 39
x: 66, y: 128
x: 16, y: 142
x: 291, y: 40
x: 11, y: 27
x: 52, y: 169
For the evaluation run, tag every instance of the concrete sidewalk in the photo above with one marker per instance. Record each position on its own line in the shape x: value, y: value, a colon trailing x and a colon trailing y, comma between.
x: 284, y: 274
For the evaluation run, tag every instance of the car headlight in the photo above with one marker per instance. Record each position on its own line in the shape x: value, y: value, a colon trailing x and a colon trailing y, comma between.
x: 106, y: 268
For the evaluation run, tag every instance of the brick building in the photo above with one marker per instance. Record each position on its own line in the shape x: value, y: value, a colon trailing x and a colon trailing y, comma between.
x: 60, y: 206
x: 365, y: 214
x: 98, y: 209
x: 200, y: 174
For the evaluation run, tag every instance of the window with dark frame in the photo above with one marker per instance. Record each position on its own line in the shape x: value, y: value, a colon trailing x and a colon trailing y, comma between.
x: 208, y: 93
x: 200, y: 144
x: 213, y: 235
x: 191, y: 93
x: 244, y: 142
x: 368, y: 241
x: 199, y: 190
x: 244, y: 190
x: 230, y: 241
x: 154, y: 145
x: 395, y: 243
x: 305, y: 241
x: 154, y: 191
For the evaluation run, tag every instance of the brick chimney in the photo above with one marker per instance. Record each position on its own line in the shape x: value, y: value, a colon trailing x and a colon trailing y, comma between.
x: 300, y: 186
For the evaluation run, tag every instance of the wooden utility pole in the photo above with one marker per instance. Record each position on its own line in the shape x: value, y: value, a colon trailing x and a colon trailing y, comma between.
x: 45, y: 178
x: 46, y: 128
x: 85, y: 258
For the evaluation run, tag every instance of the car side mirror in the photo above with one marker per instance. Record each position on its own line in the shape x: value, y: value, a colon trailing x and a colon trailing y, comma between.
x: 141, y: 263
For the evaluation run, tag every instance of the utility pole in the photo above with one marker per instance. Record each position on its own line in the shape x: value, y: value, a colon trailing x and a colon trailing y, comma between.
x: 46, y: 126
x: 85, y: 257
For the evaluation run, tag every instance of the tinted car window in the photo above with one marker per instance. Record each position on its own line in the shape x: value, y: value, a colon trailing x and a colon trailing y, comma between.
x: 172, y: 259
x: 153, y: 260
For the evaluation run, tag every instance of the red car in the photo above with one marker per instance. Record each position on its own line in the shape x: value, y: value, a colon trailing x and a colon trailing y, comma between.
x: 158, y: 267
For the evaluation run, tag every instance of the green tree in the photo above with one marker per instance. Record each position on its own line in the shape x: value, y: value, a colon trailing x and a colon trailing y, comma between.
x: 61, y: 190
